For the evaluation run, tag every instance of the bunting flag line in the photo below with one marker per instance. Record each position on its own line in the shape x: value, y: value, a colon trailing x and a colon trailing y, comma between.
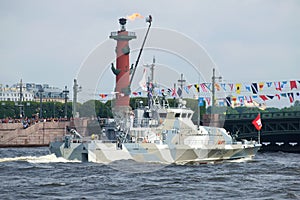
x: 261, y: 91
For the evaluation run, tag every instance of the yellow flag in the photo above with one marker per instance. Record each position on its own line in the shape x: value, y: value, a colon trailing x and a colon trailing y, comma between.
x: 238, y: 88
x: 217, y: 86
x: 261, y: 85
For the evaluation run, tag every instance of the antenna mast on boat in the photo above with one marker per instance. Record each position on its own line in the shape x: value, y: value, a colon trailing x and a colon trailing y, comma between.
x: 181, y: 83
x: 213, y: 90
x: 150, y: 83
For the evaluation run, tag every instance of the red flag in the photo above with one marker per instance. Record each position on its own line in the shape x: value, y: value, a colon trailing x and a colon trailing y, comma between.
x: 257, y: 122
x: 207, y: 100
x: 263, y: 97
x: 291, y: 97
x: 277, y: 86
x: 293, y: 84
x: 174, y: 92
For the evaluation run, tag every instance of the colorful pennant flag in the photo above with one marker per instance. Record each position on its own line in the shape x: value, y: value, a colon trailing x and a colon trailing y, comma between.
x: 293, y: 84
x: 203, y: 87
x: 249, y: 99
x: 228, y: 101
x: 187, y: 88
x: 248, y: 88
x: 283, y: 83
x: 269, y: 84
x: 238, y: 87
x: 200, y: 101
x: 197, y: 87
x: 261, y: 85
x: 291, y: 97
x: 231, y: 86
x: 263, y: 97
x: 254, y: 88
x: 223, y: 85
x: 179, y: 92
x: 277, y: 86
x: 207, y: 99
x: 217, y: 86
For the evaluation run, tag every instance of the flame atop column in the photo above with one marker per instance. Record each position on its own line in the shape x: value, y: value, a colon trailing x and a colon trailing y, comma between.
x: 134, y: 16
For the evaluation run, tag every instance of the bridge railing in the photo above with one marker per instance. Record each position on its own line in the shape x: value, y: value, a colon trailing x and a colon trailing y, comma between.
x: 267, y: 115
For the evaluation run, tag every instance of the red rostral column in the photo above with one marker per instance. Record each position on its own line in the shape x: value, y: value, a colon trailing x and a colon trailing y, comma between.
x: 122, y: 71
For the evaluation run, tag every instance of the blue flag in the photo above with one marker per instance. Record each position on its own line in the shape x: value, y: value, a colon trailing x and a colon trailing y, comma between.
x: 200, y: 101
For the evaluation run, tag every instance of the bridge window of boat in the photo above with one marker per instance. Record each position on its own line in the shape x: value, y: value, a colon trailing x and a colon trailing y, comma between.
x: 162, y: 115
x: 183, y: 115
x: 177, y: 114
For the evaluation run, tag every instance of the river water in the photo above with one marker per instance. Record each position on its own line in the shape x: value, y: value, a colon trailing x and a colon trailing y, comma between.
x: 32, y: 173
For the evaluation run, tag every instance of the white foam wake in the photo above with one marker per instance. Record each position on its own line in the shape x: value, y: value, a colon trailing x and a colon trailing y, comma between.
x: 51, y: 158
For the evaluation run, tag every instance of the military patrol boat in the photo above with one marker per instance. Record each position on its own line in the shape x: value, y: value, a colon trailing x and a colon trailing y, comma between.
x: 157, y: 134
x: 153, y: 133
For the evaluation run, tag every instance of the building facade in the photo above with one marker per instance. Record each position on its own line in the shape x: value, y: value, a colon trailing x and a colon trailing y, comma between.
x: 13, y: 94
x: 31, y: 92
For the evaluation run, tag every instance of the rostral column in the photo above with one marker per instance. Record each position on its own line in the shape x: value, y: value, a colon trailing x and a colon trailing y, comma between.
x: 122, y: 70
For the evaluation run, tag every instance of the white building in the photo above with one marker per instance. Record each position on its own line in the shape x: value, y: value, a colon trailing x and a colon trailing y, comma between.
x: 13, y: 94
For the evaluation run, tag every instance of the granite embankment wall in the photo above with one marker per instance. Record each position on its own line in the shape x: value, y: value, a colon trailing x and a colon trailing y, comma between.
x: 39, y: 134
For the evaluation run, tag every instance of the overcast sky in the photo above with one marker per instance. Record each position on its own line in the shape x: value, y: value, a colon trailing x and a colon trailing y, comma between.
x: 47, y: 41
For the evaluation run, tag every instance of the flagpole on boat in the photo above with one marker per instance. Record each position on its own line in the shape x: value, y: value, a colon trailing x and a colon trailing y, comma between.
x: 258, y: 125
x: 258, y: 132
x: 198, y: 106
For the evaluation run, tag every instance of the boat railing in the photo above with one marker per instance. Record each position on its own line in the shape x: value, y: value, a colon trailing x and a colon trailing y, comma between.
x: 145, y: 122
